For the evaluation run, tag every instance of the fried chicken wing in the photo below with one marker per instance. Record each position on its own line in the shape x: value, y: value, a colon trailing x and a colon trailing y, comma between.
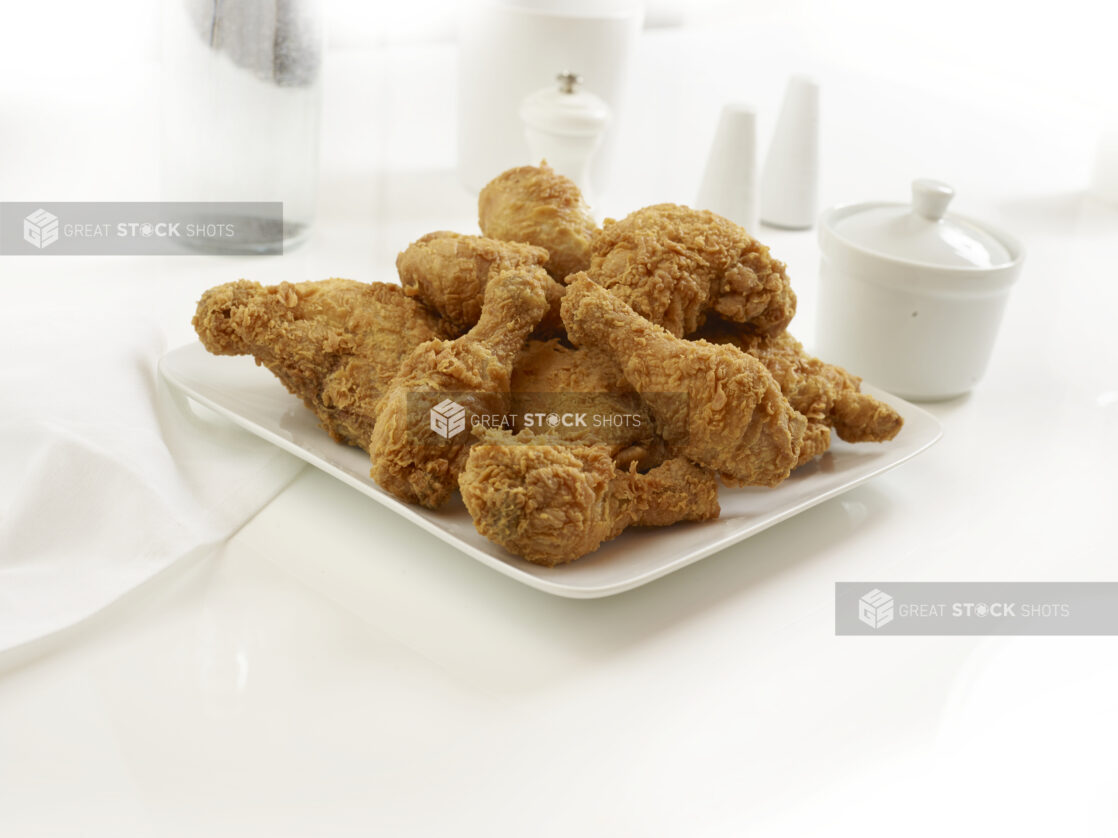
x: 536, y: 205
x: 552, y: 502
x: 826, y: 394
x: 409, y: 458
x: 336, y: 344
x: 672, y: 264
x: 449, y: 272
x: 715, y: 405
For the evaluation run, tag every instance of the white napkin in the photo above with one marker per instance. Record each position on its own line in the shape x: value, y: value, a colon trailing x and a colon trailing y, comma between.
x: 105, y: 478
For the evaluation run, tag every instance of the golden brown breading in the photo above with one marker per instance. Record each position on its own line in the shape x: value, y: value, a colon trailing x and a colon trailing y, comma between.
x: 590, y: 398
x: 826, y: 394
x: 817, y: 440
x: 535, y: 205
x: 449, y: 272
x: 552, y: 502
x: 681, y: 370
x: 677, y: 490
x: 672, y: 264
x: 411, y: 460
x: 335, y: 344
x: 715, y: 405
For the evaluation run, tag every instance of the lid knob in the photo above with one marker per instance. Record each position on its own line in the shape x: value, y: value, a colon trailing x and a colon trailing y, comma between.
x: 930, y: 198
x: 568, y: 81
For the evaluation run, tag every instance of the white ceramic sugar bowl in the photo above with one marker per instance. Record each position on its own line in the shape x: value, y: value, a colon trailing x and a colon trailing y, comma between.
x: 911, y: 297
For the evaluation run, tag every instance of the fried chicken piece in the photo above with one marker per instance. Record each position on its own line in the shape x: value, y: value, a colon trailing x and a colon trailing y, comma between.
x: 677, y: 490
x: 536, y: 205
x: 552, y: 502
x: 411, y: 460
x: 449, y: 272
x: 827, y: 395
x: 672, y: 264
x: 336, y: 344
x: 590, y: 399
x: 715, y: 405
x: 817, y: 440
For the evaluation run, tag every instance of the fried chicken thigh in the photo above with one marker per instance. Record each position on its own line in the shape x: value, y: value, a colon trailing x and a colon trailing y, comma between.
x: 826, y: 394
x: 551, y: 379
x: 449, y: 272
x: 552, y: 502
x: 672, y: 264
x: 536, y: 205
x: 715, y: 405
x: 336, y: 344
x: 411, y: 460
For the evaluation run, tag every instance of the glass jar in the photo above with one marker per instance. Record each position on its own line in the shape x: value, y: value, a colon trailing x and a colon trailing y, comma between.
x: 242, y: 98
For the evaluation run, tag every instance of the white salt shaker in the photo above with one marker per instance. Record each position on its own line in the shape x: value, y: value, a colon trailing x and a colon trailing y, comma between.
x: 729, y: 185
x: 790, y: 180
x: 563, y: 125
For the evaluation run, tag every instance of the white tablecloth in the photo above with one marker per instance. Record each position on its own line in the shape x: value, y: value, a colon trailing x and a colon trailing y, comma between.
x: 108, y: 476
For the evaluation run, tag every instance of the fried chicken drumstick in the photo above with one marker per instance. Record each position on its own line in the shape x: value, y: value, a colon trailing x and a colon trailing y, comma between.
x: 408, y: 458
x: 449, y: 272
x: 536, y: 205
x: 336, y: 344
x: 824, y: 393
x: 672, y: 264
x: 715, y: 405
x: 552, y: 502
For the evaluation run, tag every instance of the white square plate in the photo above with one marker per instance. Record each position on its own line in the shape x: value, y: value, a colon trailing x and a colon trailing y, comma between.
x: 251, y: 397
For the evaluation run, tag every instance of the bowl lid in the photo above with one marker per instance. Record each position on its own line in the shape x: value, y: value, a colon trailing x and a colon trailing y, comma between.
x: 923, y: 232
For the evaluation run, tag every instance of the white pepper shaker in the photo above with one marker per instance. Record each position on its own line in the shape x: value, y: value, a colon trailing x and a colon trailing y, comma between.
x: 729, y: 185
x: 790, y: 178
x: 563, y: 125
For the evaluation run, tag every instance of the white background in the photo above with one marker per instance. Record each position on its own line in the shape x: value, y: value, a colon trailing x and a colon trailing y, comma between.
x: 331, y: 672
